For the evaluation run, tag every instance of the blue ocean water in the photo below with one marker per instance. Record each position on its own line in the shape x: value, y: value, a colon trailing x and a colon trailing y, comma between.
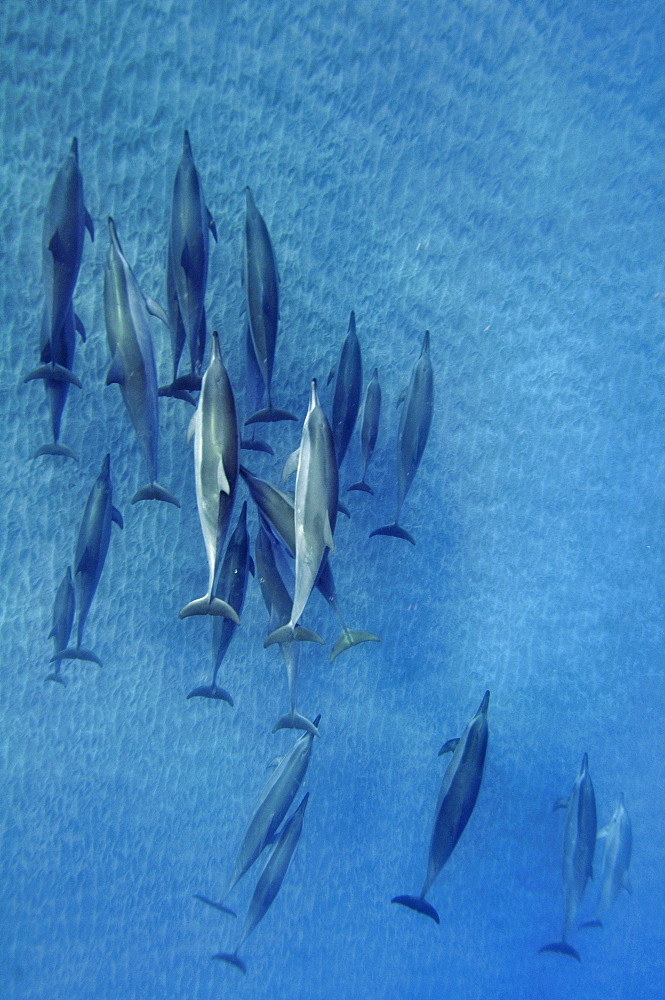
x: 492, y: 172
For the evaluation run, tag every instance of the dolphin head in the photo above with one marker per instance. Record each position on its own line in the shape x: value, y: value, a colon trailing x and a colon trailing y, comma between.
x: 425, y: 349
x: 216, y: 354
x: 106, y: 466
x: 484, y: 704
x: 186, y: 144
x: 113, y: 235
x: 313, y: 395
x: 585, y: 764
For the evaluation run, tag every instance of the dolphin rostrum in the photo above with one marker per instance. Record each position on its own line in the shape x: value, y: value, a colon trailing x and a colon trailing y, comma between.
x: 457, y: 798
x: 64, y: 607
x: 412, y: 435
x: 91, y: 548
x: 579, y: 843
x: 214, y: 427
x: 618, y: 837
x: 348, y: 385
x: 369, y: 428
x: 270, y: 881
x: 132, y: 358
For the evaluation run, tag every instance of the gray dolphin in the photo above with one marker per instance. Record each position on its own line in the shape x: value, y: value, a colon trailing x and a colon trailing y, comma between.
x: 63, y: 232
x: 188, y: 249
x: 214, y: 427
x: 270, y: 881
x: 618, y: 837
x: 91, y: 548
x: 179, y: 387
x: 64, y: 608
x: 261, y: 282
x: 315, y: 512
x: 132, y: 359
x: 457, y: 798
x: 231, y: 587
x: 348, y: 385
x: 369, y: 428
x: 412, y: 435
x: 579, y: 844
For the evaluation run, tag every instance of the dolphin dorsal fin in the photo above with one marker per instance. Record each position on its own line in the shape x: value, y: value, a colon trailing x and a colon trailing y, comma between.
x: 193, y: 424
x: 156, y: 310
x: 291, y: 465
x: 89, y: 225
x: 449, y: 746
x: 117, y: 517
x: 186, y: 259
x: 116, y: 372
x: 327, y: 534
x: 222, y: 479
x: 211, y: 224
x: 56, y: 247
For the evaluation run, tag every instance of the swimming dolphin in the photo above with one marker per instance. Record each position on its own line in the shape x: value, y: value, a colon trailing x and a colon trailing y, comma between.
x: 91, y: 548
x: 64, y: 608
x: 58, y: 350
x: 179, y: 387
x: 579, y: 843
x: 261, y: 283
x: 231, y: 587
x: 63, y: 232
x: 348, y: 385
x: 270, y: 881
x: 457, y: 798
x: 214, y: 427
x: 618, y: 837
x: 132, y: 358
x: 188, y: 248
x: 369, y: 428
x: 412, y: 435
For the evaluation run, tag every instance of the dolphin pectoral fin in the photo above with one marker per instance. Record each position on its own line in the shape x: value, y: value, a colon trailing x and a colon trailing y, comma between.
x: 117, y: 517
x: 250, y: 566
x: 211, y: 224
x: 215, y: 906
x: 291, y: 465
x: 327, y: 534
x: 394, y: 531
x: 156, y: 310
x: 79, y: 327
x: 193, y: 424
x: 294, y: 720
x: 76, y: 653
x: 55, y: 449
x: 561, y: 803
x: 591, y: 923
x: 343, y: 509
x: 169, y: 390
x: 351, y: 637
x: 362, y: 485
x: 449, y: 746
x: 269, y: 415
x: 186, y: 261
x: 232, y: 960
x: 209, y: 606
x: 53, y: 373
x: 626, y: 884
x: 211, y: 691
x: 560, y: 948
x: 283, y: 634
x: 58, y: 678
x: 56, y: 247
x: 418, y: 904
x: 85, y: 563
x: 116, y: 372
x: 89, y: 225
x: 153, y: 491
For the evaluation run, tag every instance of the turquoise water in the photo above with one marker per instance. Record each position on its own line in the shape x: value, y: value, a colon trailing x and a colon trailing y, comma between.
x: 493, y: 173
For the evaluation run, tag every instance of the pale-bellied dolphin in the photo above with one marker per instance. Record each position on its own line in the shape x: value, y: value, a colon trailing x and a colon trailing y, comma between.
x: 63, y: 232
x: 214, y: 427
x: 132, y: 359
x: 279, y: 604
x: 231, y: 587
x: 618, y: 837
x: 188, y: 248
x: 457, y: 798
x: 277, y: 507
x: 369, y: 428
x: 579, y: 843
x: 261, y: 283
x: 60, y: 350
x: 91, y: 548
x: 348, y: 385
x: 64, y: 607
x: 270, y: 881
x: 412, y: 435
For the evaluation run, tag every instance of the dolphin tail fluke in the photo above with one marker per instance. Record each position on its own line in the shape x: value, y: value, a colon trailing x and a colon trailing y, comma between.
x: 351, y: 637
x: 175, y: 393
x: 57, y: 677
x: 592, y: 923
x: 294, y: 720
x: 55, y: 449
x: 76, y: 653
x: 269, y: 415
x: 53, y: 373
x: 253, y: 444
x: 302, y: 634
x: 394, y: 531
x: 362, y: 485
x: 211, y: 691
x: 215, y: 906
x: 232, y: 960
x: 209, y: 606
x: 190, y: 383
x: 153, y: 491
x: 561, y: 948
x: 418, y: 904
x: 283, y: 634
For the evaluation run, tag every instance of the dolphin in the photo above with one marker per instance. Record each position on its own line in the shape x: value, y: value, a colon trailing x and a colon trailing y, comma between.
x: 412, y: 435
x: 261, y: 281
x: 618, y: 837
x: 132, y: 358
x: 91, y: 548
x: 214, y: 427
x: 65, y: 221
x: 188, y: 249
x: 277, y: 508
x: 457, y: 798
x: 315, y: 512
x: 369, y: 428
x: 231, y: 587
x: 270, y: 881
x: 279, y: 604
x: 579, y: 843
x: 346, y: 399
x: 64, y: 607
x: 179, y: 387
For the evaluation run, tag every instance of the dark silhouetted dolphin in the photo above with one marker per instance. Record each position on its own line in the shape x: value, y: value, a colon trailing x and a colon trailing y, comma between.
x: 348, y: 386
x: 64, y: 608
x: 369, y: 429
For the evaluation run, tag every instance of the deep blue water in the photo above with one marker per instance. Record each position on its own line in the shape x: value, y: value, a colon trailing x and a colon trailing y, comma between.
x: 493, y: 172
